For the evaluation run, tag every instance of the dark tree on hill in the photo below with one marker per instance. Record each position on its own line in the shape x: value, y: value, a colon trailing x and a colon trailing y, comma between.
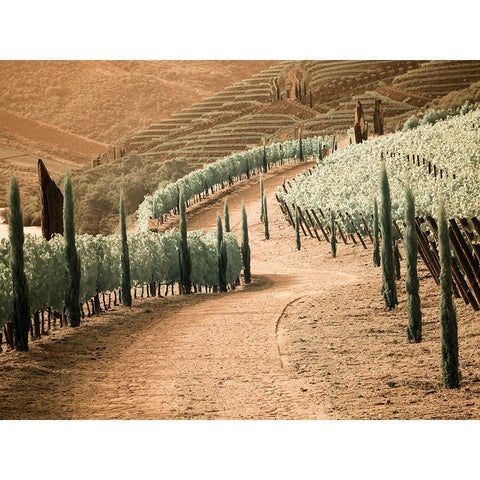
x: 265, y: 218
x: 222, y: 256
x: 448, y: 314
x: 226, y: 215
x: 297, y: 228
x: 245, y: 247
x: 21, y: 299
x: 333, y: 238
x: 185, y: 259
x: 126, y: 282
x: 376, y: 235
x: 388, y: 280
x: 52, y: 203
x: 319, y: 152
x: 414, y: 329
x: 262, y: 194
x: 72, y: 291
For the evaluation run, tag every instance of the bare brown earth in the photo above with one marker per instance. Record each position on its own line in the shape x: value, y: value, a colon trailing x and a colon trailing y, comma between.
x: 106, y: 99
x: 309, y: 338
x: 67, y: 112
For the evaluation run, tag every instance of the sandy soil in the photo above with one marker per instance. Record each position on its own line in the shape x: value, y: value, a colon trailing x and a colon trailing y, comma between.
x: 309, y: 338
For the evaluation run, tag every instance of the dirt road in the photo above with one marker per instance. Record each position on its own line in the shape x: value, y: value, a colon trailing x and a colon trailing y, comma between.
x: 207, y: 356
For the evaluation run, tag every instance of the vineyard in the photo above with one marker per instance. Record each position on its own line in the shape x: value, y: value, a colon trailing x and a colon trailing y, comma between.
x: 455, y: 160
x: 332, y: 200
x: 154, y: 262
x: 226, y: 171
x: 421, y: 159
x: 154, y: 259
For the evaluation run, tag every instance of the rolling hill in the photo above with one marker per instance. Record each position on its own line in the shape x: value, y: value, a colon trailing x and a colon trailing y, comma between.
x: 67, y: 112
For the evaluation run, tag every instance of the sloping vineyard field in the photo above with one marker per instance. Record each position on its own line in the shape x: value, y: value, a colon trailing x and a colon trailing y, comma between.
x: 153, y: 258
x: 348, y: 180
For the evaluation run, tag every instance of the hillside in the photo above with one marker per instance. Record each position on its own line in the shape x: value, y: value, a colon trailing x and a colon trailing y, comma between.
x: 66, y: 112
x: 317, y: 97
x: 136, y: 109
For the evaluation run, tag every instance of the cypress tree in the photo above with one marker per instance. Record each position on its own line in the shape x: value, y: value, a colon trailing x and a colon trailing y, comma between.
x: 126, y: 282
x: 297, y: 228
x: 319, y: 151
x: 265, y: 217
x: 262, y: 193
x: 185, y: 259
x: 72, y: 292
x: 388, y: 280
x: 245, y: 247
x: 264, y: 159
x: 414, y: 329
x: 226, y: 214
x: 300, y: 146
x: 333, y: 239
x: 21, y: 298
x: 376, y: 235
x: 448, y: 314
x: 222, y: 256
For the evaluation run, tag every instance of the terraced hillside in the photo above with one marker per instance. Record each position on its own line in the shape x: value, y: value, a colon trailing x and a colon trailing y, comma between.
x: 68, y: 112
x: 317, y: 97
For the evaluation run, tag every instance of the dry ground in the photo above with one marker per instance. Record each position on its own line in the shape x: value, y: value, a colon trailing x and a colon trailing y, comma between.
x: 309, y: 338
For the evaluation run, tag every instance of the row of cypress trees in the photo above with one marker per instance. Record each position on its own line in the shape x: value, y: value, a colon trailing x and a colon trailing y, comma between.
x: 448, y: 317
x: 449, y: 353
x: 184, y: 254
x: 21, y: 302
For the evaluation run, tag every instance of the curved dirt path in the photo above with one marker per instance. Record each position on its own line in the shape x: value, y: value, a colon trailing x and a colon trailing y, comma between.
x: 205, y: 356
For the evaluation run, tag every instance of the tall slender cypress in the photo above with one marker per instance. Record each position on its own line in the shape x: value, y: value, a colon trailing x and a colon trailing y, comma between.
x: 297, y: 228
x: 72, y: 291
x: 300, y: 146
x: 265, y: 217
x: 448, y: 314
x: 245, y: 247
x: 388, y: 280
x: 320, y: 151
x: 226, y: 215
x: 185, y: 259
x: 376, y: 235
x: 21, y: 298
x: 333, y: 238
x: 264, y: 159
x: 262, y: 193
x: 222, y: 256
x: 414, y: 329
x: 126, y: 282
